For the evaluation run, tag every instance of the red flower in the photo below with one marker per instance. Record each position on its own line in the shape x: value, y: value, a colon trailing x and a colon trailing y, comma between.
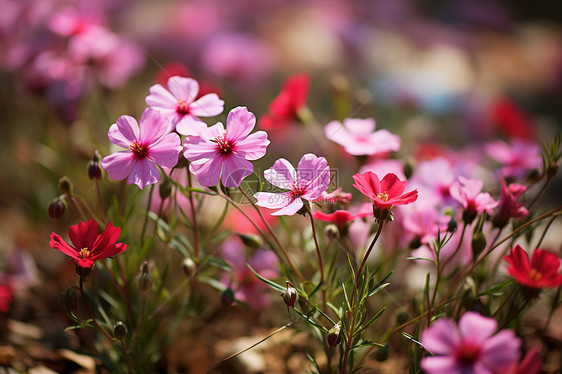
x: 339, y: 218
x: 385, y: 193
x: 89, y: 246
x: 541, y: 272
x: 285, y: 107
x: 511, y: 119
x: 530, y: 364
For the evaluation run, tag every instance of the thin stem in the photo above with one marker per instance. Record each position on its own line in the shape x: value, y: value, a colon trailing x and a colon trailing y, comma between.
x: 505, y: 300
x: 125, y: 350
x: 90, y: 212
x: 275, y: 238
x: 193, y: 219
x: 458, y: 246
x: 85, y: 300
x: 126, y: 288
x: 320, y: 265
x: 145, y: 223
x: 78, y: 208
x: 100, y: 202
x: 545, y: 231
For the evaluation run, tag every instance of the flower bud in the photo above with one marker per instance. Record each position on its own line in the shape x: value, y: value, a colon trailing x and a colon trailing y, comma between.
x: 145, y: 280
x: 65, y: 186
x: 402, y: 317
x: 332, y: 232
x: 478, y: 244
x: 120, y: 330
x: 290, y: 296
x: 227, y: 297
x: 452, y: 225
x: 382, y: 353
x: 188, y: 267
x: 94, y: 168
x: 334, y: 336
x: 57, y: 207
x: 70, y: 300
x: 251, y: 240
x: 165, y: 188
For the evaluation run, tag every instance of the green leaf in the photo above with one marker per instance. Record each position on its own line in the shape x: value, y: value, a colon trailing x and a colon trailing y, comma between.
x: 497, y: 287
x: 421, y: 258
x: 310, y: 320
x: 345, y: 295
x: 377, y: 289
x: 270, y: 283
x: 212, y: 282
x: 367, y: 343
x: 313, y: 362
x: 371, y: 321
x: 219, y: 263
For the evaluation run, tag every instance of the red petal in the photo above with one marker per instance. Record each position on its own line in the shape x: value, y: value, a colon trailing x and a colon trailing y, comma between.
x: 58, y: 243
x: 84, y: 234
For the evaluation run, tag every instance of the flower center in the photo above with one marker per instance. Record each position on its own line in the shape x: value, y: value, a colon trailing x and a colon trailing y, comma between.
x: 138, y: 149
x: 383, y: 196
x: 535, y: 275
x: 467, y: 353
x: 84, y: 253
x: 297, y: 189
x: 223, y: 144
x: 183, y: 107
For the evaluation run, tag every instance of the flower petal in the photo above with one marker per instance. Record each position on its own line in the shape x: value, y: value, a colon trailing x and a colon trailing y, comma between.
x: 235, y: 169
x: 144, y: 172
x: 441, y: 365
x: 476, y: 328
x: 207, y: 106
x: 281, y: 174
x: 183, y: 88
x: 442, y: 337
x: 207, y: 171
x: 152, y: 126
x: 165, y: 152
x: 124, y: 131
x: 57, y: 242
x: 290, y: 209
x: 161, y: 98
x: 272, y: 200
x: 119, y: 165
x: 239, y: 123
x: 254, y: 145
x: 84, y: 234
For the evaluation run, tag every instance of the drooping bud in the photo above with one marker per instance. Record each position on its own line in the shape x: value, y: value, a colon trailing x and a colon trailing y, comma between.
x: 332, y: 232
x: 227, y: 297
x: 165, y: 188
x: 251, y: 240
x: 145, y: 280
x: 452, y: 225
x: 290, y: 296
x: 65, y: 186
x: 120, y: 330
x: 334, y: 335
x: 382, y: 353
x: 402, y: 317
x: 188, y: 267
x: 70, y: 300
x: 478, y: 244
x: 57, y: 208
x: 94, y: 167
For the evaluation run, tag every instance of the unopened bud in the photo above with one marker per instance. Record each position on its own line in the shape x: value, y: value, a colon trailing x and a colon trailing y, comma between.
x: 402, y: 317
x: 452, y: 225
x: 65, y: 186
x: 94, y: 167
x: 332, y: 232
x: 478, y: 244
x: 227, y: 296
x: 251, y: 240
x: 145, y: 280
x: 120, y: 330
x: 334, y: 336
x: 165, y: 188
x: 57, y: 207
x: 290, y: 296
x: 382, y: 353
x: 408, y: 169
x: 70, y: 300
x: 189, y: 267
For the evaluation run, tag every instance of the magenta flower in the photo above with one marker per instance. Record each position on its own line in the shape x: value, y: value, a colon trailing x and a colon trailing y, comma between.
x: 508, y: 205
x: 146, y: 146
x: 467, y: 192
x: 246, y: 286
x: 470, y: 348
x: 311, y: 178
x: 178, y: 103
x: 518, y: 159
x: 358, y: 136
x: 89, y: 246
x: 216, y: 149
x: 384, y: 193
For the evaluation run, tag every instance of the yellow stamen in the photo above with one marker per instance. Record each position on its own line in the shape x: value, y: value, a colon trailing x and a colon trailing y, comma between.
x: 383, y: 196
x: 84, y: 253
x: 535, y: 275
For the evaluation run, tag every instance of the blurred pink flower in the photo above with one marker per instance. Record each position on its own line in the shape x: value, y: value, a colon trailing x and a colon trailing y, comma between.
x: 467, y: 193
x: 216, y: 149
x: 89, y: 246
x: 470, y: 347
x: 246, y: 286
x: 385, y: 166
x: 284, y: 109
x: 508, y: 205
x: 180, y: 105
x: 146, y: 146
x: 358, y: 137
x: 518, y: 159
x: 69, y: 21
x: 311, y: 178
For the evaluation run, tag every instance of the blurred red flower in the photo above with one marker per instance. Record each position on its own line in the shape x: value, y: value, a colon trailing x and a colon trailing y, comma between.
x: 284, y: 109
x: 540, y: 272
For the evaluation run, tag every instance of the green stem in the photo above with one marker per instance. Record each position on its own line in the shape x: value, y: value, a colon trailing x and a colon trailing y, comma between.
x: 89, y: 311
x: 145, y: 223
x: 320, y: 264
x: 193, y: 220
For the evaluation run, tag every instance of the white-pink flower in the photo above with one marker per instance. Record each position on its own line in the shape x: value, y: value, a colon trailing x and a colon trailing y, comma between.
x: 215, y: 149
x: 358, y: 137
x: 470, y: 348
x: 467, y: 192
x: 518, y: 159
x: 147, y: 146
x: 178, y: 103
x: 311, y: 178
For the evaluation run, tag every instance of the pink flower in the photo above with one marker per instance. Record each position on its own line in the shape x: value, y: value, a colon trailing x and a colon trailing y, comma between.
x: 216, y: 149
x: 89, y: 246
x: 358, y: 136
x: 307, y: 183
x: 178, y: 103
x: 467, y: 192
x: 508, y: 205
x: 518, y: 159
x: 384, y: 193
x: 146, y: 146
x: 470, y: 348
x: 540, y: 272
x: 246, y: 286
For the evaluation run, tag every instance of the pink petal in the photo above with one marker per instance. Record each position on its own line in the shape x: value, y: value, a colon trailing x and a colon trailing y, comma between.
x: 119, y: 164
x: 207, y: 106
x: 161, y: 98
x: 144, y: 172
x: 501, y: 350
x: 207, y: 171
x: 197, y: 148
x: 124, y: 131
x: 281, y: 174
x: 357, y: 126
x: 165, y: 152
x: 183, y: 88
x: 440, y: 365
x: 152, y: 126
x: 235, y: 169
x: 310, y: 167
x: 442, y: 337
x: 190, y: 125
x: 254, y: 145
x: 290, y: 209
x: 392, y: 185
x: 272, y: 200
x: 476, y: 328
x: 239, y: 123
x: 384, y: 141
